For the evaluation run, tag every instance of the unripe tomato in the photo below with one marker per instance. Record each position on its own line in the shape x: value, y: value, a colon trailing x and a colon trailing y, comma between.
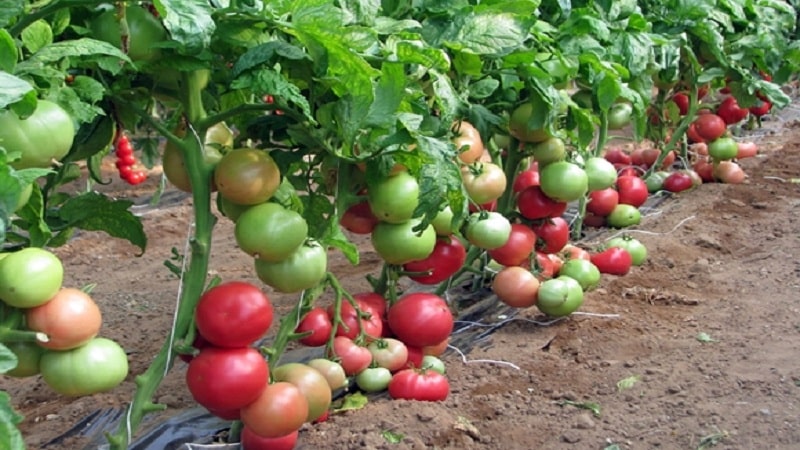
x: 28, y: 356
x: 519, y: 125
x: 247, y: 176
x: 548, y: 151
x: 394, y: 198
x: 516, y: 287
x: 97, y: 366
x: 488, y: 230
x: 484, y: 182
x: 468, y: 141
x: 144, y: 30
x: 563, y: 181
x: 42, y: 137
x: 174, y: 164
x: 723, y: 149
x: 400, y: 244
x: 30, y: 277
x: 70, y: 319
x: 270, y: 232
x: 303, y: 269
x: 281, y: 409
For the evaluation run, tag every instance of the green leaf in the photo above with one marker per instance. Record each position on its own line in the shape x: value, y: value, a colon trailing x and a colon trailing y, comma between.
x: 10, y: 436
x: 439, y: 180
x: 627, y: 383
x: 96, y: 212
x: 483, y: 88
x: 388, y: 95
x: 335, y: 238
x: 608, y: 91
x: 486, y: 34
x: 10, y: 10
x: 350, y: 402
x: 446, y: 97
x: 8, y: 51
x: 361, y: 11
x: 8, y: 360
x: 13, y: 89
x: 32, y: 214
x: 272, y: 82
x: 189, y: 22
x: 266, y: 53
x: 705, y: 338
x: 37, y: 35
x: 105, y: 54
x: 392, y: 437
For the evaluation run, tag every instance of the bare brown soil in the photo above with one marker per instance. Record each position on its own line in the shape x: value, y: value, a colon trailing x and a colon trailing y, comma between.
x: 723, y: 264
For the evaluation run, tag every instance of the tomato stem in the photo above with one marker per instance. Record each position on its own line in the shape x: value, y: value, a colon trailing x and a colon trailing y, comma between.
x: 14, y: 335
x: 510, y: 166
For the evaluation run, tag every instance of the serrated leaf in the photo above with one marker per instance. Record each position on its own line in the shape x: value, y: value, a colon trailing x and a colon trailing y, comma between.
x: 487, y: 34
x: 272, y: 82
x: 705, y: 337
x: 8, y: 51
x: 608, y: 89
x: 439, y: 180
x: 37, y: 35
x: 627, y: 383
x: 388, y: 95
x: 483, y: 88
x: 392, y: 437
x: 8, y: 360
x: 266, y: 53
x: 13, y: 89
x: 10, y: 10
x: 96, y: 212
x: 71, y: 48
x: 189, y: 22
x: 446, y: 97
x: 351, y: 402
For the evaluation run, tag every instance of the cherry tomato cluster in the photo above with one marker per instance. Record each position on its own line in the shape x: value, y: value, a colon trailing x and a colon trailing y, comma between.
x: 53, y: 329
x: 126, y: 160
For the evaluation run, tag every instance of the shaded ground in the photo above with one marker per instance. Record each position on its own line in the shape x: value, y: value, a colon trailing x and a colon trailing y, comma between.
x: 723, y: 262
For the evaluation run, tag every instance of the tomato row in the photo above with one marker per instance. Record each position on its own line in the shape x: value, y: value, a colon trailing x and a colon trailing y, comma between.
x: 53, y: 330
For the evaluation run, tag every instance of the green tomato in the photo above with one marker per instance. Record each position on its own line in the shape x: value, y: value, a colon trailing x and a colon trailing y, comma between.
x: 399, y: 243
x: 488, y: 230
x: 624, y: 216
x: 230, y: 209
x: 723, y: 149
x: 30, y: 277
x: 394, y: 198
x: 560, y: 296
x: 303, y: 269
x: 619, y: 116
x: 97, y: 366
x: 600, y: 172
x: 44, y: 136
x: 144, y: 30
x: 443, y: 222
x: 28, y: 356
x: 217, y: 136
x: 635, y: 247
x: 518, y: 124
x: 374, y: 379
x: 270, y: 232
x: 548, y: 151
x: 563, y: 181
x: 655, y: 182
x: 583, y: 98
x: 582, y: 271
x: 430, y: 362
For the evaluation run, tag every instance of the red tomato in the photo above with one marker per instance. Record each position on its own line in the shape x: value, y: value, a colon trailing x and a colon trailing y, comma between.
x: 516, y: 287
x: 469, y: 139
x: 761, y: 109
x: 533, y: 204
x: 371, y: 301
x: 594, y: 221
x: 224, y: 379
x: 602, y: 202
x: 682, y: 101
x: 704, y: 169
x: 491, y: 206
x: 543, y: 266
x: 70, y: 319
x: 525, y: 179
x: 691, y: 133
x: 252, y: 441
x: 281, y: 409
x: 436, y: 350
x: 517, y: 248
x: 613, y: 261
x: 617, y: 156
x: 352, y: 322
x: 574, y: 252
x: 730, y: 111
x: 318, y: 324
x: 420, y: 319
x: 410, y: 384
x: 354, y: 358
x: 359, y: 219
x: 415, y: 355
x: 553, y: 235
x: 632, y: 190
x: 233, y: 314
x: 678, y: 182
x: 709, y: 127
x: 447, y: 258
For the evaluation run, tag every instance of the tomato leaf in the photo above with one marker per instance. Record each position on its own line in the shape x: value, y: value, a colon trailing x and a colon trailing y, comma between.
x: 32, y: 217
x: 439, y: 181
x: 10, y: 436
x: 106, y: 55
x: 8, y: 360
x: 13, y: 89
x: 488, y: 33
x: 388, y: 95
x: 37, y: 35
x: 8, y: 51
x: 272, y: 82
x: 392, y: 437
x: 96, y: 212
x: 189, y: 22
x: 10, y: 10
x: 350, y: 402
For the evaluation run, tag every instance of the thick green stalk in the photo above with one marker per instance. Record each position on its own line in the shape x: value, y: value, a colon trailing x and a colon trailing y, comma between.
x: 194, y: 278
x: 510, y: 167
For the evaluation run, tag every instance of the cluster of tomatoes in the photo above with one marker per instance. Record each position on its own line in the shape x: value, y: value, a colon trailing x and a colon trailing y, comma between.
x: 126, y: 161
x: 52, y: 329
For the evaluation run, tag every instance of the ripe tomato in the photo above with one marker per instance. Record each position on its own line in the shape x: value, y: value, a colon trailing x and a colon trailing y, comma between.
x: 247, y: 176
x: 70, y: 319
x: 637, y: 250
x: 415, y: 355
x: 270, y: 232
x: 331, y: 370
x: 233, y: 314
x: 311, y: 383
x: 553, y: 235
x: 436, y: 350
x: 372, y: 302
x: 571, y: 251
x: 400, y: 244
x: 517, y: 248
x: 681, y: 100
x: 303, y: 269
x: 602, y: 202
x: 563, y: 181
x: 616, y: 155
x: 704, y: 169
x: 318, y: 324
x: 359, y: 219
x: 468, y: 142
x: 354, y: 358
x: 624, y: 216
x: 730, y: 111
x: 42, y: 137
x: 30, y: 277
x: 280, y: 409
x: 761, y: 109
x: 224, y: 379
x: 534, y: 204
x: 483, y: 181
x: 632, y: 190
x: 97, y: 366
x: 389, y: 353
x: 692, y: 135
x: 447, y: 258
x: 420, y: 319
x: 394, y: 198
x: 560, y: 296
x: 678, y: 182
x: 252, y: 441
x: 516, y: 287
x: 525, y: 179
x: 613, y: 261
x: 709, y: 127
x: 352, y: 322
x: 519, y: 125
x: 426, y: 385
x: 487, y: 230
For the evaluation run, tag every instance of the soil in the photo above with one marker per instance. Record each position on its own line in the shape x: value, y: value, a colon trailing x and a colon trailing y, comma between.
x: 696, y: 348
